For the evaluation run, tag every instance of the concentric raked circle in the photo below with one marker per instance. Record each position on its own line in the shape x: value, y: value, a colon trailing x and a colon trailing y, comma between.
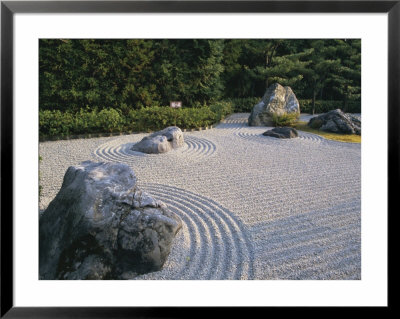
x: 213, y: 243
x: 119, y: 150
x: 198, y: 147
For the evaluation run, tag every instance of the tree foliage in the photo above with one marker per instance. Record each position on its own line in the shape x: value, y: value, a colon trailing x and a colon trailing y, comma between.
x: 97, y: 74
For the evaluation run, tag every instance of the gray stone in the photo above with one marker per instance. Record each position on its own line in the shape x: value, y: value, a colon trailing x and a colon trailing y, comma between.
x: 336, y: 121
x: 277, y: 100
x: 282, y: 132
x: 101, y: 226
x: 161, y: 141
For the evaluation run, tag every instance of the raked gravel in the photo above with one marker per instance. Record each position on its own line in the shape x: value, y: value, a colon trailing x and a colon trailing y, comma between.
x: 253, y: 207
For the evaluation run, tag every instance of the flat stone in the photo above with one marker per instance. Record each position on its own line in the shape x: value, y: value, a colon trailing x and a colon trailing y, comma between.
x: 282, y: 132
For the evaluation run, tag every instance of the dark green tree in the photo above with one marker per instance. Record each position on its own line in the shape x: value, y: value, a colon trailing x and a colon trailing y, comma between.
x: 347, y: 77
x: 189, y: 70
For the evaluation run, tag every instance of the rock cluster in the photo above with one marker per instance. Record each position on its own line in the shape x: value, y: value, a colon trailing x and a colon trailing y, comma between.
x: 101, y: 226
x: 282, y: 132
x: 161, y: 141
x: 277, y: 100
x: 336, y: 121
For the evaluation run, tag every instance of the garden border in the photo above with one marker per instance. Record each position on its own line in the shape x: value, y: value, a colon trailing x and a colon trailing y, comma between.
x: 97, y: 135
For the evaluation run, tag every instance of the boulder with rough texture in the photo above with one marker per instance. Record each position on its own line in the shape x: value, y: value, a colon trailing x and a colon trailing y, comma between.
x: 277, y: 100
x: 282, y: 132
x: 161, y: 141
x: 336, y: 121
x: 101, y: 226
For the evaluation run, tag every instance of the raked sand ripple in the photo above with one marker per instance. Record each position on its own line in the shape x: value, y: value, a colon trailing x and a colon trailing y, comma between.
x: 253, y: 207
x: 216, y: 245
x: 237, y: 124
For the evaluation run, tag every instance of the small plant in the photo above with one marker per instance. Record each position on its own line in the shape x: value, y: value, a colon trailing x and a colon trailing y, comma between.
x: 287, y: 119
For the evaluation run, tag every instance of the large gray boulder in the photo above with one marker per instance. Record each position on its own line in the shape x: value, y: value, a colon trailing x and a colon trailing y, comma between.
x: 101, y: 226
x: 336, y: 121
x: 277, y: 100
x: 161, y: 141
x: 282, y: 132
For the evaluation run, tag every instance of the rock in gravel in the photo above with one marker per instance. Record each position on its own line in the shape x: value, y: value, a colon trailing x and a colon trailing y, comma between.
x: 161, y: 141
x: 101, y: 226
x: 282, y: 132
x: 336, y: 121
x: 277, y: 100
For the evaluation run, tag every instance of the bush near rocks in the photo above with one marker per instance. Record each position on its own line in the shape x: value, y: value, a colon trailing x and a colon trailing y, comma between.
x: 287, y: 119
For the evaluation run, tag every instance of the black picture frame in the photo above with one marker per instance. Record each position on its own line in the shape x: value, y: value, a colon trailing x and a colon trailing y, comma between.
x: 9, y: 8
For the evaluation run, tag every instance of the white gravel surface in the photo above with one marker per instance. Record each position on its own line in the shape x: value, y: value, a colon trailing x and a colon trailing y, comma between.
x: 253, y: 207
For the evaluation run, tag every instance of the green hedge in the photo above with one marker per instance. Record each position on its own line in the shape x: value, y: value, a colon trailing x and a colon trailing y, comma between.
x: 323, y: 106
x: 57, y: 123
x: 61, y: 124
x: 245, y: 105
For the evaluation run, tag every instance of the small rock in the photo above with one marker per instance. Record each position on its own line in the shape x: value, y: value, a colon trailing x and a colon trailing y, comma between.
x: 282, y: 132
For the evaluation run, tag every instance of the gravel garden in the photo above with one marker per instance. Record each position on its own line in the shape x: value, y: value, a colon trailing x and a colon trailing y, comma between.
x: 200, y: 159
x: 252, y: 206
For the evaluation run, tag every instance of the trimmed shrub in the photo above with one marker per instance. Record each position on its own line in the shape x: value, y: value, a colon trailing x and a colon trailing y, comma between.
x: 110, y: 120
x: 157, y: 118
x: 55, y: 123
x: 244, y: 105
x: 222, y: 109
x: 85, y: 121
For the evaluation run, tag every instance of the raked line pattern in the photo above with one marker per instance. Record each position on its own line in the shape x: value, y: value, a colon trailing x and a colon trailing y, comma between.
x: 306, y: 245
x: 252, y: 207
x: 237, y: 125
x: 256, y: 136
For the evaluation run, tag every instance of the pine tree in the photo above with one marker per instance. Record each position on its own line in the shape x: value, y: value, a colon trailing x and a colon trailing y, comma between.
x: 347, y: 77
x: 321, y: 65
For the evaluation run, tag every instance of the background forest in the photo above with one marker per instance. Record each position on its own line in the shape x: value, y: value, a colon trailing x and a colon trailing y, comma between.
x: 88, y: 86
